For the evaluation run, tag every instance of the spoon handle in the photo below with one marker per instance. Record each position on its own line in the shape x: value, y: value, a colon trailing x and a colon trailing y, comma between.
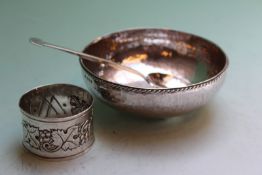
x: 85, y: 56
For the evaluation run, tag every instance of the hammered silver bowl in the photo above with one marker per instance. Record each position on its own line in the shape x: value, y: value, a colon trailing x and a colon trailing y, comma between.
x: 192, y: 59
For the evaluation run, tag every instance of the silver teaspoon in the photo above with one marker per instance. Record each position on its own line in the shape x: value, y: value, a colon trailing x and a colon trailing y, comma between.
x: 153, y: 79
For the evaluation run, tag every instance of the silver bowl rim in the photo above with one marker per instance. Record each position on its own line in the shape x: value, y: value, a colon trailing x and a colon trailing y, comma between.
x: 155, y: 90
x: 55, y: 120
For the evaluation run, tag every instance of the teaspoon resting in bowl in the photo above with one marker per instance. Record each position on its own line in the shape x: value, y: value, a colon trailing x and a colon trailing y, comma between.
x: 157, y: 80
x: 198, y: 64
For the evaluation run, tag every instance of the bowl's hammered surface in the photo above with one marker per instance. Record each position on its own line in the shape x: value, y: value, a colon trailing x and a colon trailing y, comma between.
x: 192, y: 59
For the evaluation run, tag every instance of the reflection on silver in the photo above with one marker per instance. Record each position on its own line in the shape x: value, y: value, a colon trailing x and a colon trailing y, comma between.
x: 169, y: 80
x: 57, y: 120
x: 197, y: 67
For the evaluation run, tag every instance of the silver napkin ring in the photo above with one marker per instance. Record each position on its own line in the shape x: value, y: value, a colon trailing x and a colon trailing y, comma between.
x: 57, y: 120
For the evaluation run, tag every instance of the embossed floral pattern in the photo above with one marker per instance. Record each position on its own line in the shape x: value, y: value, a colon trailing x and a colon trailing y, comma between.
x: 57, y: 139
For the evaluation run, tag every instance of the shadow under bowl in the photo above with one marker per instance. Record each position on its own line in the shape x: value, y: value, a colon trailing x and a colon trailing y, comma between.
x: 198, y: 67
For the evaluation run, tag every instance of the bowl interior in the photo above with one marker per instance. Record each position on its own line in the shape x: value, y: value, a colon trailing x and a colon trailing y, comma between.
x: 189, y: 58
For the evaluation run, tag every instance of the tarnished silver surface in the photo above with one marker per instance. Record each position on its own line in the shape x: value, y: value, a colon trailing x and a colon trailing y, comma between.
x: 57, y: 121
x: 197, y: 67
